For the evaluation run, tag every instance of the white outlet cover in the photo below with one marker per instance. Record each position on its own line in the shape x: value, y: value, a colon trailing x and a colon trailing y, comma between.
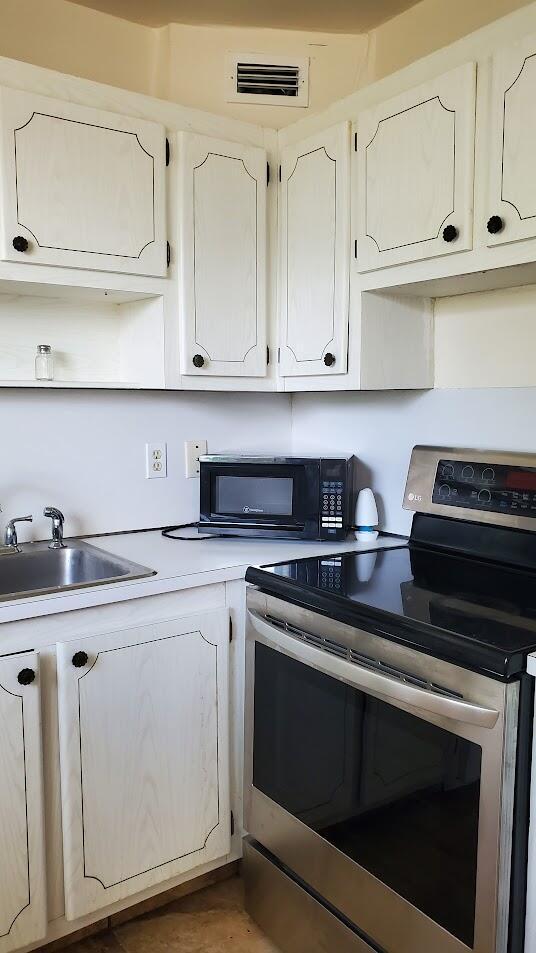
x: 155, y: 461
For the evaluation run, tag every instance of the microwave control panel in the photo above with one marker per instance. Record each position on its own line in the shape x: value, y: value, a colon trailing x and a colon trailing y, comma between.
x: 332, y: 506
x: 480, y: 486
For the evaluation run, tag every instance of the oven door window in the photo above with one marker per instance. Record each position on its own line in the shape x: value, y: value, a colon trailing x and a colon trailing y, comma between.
x: 393, y: 792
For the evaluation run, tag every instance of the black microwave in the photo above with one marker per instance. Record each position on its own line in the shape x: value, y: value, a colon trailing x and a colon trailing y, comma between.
x: 277, y: 497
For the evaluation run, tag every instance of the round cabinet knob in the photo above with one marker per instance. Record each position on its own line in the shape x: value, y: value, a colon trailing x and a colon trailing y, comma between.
x: 26, y: 676
x: 20, y: 243
x: 80, y: 659
x: 495, y: 224
x: 198, y: 360
x: 450, y: 233
x: 329, y: 359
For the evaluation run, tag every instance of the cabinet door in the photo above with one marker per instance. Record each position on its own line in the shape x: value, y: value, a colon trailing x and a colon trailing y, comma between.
x: 511, y: 211
x: 144, y: 756
x: 315, y: 254
x: 81, y: 188
x: 22, y: 871
x: 416, y: 171
x: 222, y: 258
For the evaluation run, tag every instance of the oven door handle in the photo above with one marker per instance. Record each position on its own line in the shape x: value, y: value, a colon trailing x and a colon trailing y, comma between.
x: 389, y: 687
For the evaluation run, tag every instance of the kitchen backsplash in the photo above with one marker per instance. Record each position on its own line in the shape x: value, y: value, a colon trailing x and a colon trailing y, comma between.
x: 85, y: 453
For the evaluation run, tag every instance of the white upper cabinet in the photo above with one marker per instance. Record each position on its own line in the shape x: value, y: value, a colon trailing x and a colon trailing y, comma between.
x: 315, y: 254
x: 415, y: 172
x: 511, y: 210
x: 81, y: 188
x: 144, y: 755
x: 22, y: 872
x: 222, y: 258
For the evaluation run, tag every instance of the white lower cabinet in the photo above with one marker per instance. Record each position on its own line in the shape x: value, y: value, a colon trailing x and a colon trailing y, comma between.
x: 143, y: 723
x: 22, y: 874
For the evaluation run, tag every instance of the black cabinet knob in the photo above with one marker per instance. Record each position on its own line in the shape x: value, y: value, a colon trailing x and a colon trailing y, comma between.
x: 80, y: 659
x: 26, y: 676
x: 329, y: 359
x: 20, y: 243
x: 495, y: 224
x: 450, y: 233
x: 198, y: 360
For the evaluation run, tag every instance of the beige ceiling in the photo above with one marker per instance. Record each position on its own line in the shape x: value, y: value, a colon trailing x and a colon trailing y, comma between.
x: 335, y: 16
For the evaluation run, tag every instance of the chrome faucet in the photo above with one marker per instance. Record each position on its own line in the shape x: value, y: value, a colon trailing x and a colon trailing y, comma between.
x: 57, y: 526
x: 10, y: 535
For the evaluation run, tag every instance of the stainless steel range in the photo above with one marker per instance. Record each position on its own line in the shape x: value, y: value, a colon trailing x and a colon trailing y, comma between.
x: 388, y: 719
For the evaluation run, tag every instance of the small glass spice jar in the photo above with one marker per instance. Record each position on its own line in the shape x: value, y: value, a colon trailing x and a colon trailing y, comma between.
x: 44, y: 363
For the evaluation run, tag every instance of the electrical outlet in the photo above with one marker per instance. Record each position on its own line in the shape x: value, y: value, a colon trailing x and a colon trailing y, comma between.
x: 193, y: 449
x: 155, y: 461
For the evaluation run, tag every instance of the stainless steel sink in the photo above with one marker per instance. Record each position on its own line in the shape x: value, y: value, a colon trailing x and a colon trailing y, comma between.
x: 38, y: 570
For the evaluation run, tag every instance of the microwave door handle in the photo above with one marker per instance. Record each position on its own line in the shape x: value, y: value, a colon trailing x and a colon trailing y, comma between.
x: 367, y: 679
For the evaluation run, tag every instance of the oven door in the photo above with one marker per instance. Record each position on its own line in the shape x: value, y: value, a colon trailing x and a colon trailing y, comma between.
x: 383, y: 778
x: 274, y: 499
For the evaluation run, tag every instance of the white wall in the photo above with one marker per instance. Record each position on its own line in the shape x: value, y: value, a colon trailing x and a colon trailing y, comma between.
x: 85, y: 453
x: 382, y: 428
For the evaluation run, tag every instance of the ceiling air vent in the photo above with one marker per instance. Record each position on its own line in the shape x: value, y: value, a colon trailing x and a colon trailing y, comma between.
x: 267, y: 80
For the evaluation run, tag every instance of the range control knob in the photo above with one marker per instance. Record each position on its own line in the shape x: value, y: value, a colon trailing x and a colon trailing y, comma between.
x: 448, y: 471
x: 468, y: 473
x: 444, y: 489
x: 484, y: 496
x: 488, y: 473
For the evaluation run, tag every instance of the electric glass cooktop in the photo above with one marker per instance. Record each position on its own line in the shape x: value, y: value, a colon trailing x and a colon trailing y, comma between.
x: 477, y: 613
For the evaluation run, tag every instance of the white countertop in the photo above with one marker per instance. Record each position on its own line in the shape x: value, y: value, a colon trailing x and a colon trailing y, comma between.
x: 179, y: 564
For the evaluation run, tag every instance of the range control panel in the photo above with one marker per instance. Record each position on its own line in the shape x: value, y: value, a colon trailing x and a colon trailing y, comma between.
x: 482, y: 486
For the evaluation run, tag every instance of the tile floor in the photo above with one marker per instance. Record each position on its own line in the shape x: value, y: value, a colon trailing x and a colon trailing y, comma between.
x: 212, y: 920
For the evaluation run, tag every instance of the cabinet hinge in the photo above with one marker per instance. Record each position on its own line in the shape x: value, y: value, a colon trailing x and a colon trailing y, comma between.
x: 280, y: 173
x: 267, y: 173
x: 168, y: 254
x: 230, y: 629
x: 232, y: 823
x: 355, y: 141
x: 267, y: 355
x: 168, y: 151
x: 279, y: 355
x: 355, y: 249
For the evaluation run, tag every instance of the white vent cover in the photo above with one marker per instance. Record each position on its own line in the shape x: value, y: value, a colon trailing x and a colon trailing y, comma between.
x: 267, y: 80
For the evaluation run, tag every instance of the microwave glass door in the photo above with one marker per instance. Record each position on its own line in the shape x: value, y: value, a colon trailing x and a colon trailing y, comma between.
x: 397, y: 794
x: 280, y: 495
x: 254, y: 496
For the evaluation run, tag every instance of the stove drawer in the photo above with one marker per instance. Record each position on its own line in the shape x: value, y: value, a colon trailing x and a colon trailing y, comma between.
x: 290, y: 916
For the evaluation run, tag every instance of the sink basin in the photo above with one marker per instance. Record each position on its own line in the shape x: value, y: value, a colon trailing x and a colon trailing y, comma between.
x: 38, y: 570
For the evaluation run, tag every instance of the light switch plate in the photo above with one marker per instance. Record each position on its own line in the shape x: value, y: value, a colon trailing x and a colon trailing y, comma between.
x: 155, y: 461
x: 193, y: 449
